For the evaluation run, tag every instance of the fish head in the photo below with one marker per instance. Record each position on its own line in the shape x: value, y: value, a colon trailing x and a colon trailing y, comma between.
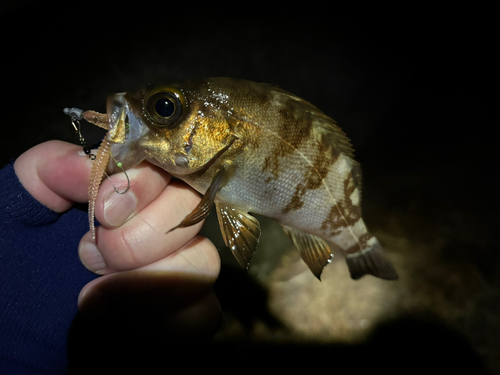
x: 169, y: 126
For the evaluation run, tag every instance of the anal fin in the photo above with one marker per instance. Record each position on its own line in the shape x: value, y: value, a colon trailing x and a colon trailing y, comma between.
x: 314, y: 251
x: 240, y: 231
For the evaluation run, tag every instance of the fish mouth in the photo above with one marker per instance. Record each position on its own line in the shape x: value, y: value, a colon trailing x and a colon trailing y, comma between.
x: 125, y: 129
x: 124, y: 125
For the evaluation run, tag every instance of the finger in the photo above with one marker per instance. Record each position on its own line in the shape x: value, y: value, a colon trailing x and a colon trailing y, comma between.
x: 112, y: 209
x: 55, y: 174
x: 199, y: 256
x: 144, y: 184
x: 175, y: 293
x: 142, y: 239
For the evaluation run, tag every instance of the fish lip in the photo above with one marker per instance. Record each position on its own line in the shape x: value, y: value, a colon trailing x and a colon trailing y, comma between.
x: 116, y: 109
x: 124, y: 125
x: 115, y: 105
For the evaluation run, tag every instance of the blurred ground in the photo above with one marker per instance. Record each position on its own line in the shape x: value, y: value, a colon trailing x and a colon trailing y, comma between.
x: 408, y: 90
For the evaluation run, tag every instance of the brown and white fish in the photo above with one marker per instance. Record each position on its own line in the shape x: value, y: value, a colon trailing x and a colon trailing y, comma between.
x: 249, y: 148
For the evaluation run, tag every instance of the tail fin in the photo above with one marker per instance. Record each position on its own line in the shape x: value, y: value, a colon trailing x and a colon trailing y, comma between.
x: 372, y: 261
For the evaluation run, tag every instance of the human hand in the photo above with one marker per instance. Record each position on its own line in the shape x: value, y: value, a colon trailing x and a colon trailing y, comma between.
x: 153, y: 282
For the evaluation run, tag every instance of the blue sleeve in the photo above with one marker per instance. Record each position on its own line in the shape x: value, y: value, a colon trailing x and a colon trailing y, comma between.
x: 40, y: 279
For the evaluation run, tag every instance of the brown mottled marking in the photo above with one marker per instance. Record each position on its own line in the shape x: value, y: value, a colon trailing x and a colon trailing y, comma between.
x: 329, y: 222
x: 325, y: 157
x: 260, y: 97
x: 271, y: 164
x: 294, y: 127
x: 346, y: 213
x: 296, y: 202
x: 360, y: 245
x: 249, y: 135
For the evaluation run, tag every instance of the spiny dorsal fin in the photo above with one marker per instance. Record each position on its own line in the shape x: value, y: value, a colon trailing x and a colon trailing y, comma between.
x: 313, y: 250
x: 240, y: 231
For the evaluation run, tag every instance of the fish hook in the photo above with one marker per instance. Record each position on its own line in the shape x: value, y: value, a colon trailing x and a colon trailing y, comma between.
x: 120, y: 165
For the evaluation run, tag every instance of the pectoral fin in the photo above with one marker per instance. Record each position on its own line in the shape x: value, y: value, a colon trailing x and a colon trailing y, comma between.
x: 203, y: 209
x: 314, y: 251
x: 240, y: 231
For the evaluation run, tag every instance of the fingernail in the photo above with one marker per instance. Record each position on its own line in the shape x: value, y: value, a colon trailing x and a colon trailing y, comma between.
x: 119, y: 207
x: 91, y: 257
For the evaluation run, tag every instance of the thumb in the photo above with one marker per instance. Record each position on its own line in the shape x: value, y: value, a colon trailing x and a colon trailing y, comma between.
x: 55, y: 174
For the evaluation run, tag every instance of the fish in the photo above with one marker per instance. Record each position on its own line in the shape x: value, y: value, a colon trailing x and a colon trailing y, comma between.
x: 250, y: 149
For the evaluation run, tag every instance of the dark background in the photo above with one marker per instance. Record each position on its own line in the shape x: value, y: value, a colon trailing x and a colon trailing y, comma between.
x: 410, y: 87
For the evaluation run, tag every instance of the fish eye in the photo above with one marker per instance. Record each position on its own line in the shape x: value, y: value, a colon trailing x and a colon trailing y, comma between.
x: 163, y: 106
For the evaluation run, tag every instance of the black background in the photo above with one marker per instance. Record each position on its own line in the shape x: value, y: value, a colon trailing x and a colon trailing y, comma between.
x: 408, y: 87
x: 412, y: 89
